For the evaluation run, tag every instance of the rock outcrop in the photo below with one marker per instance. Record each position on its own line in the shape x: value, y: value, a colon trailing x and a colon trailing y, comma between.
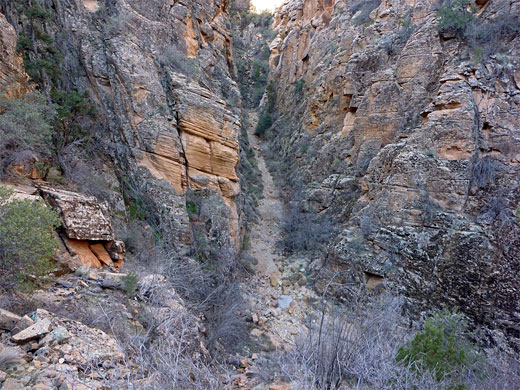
x: 56, y: 352
x: 86, y: 232
x: 408, y: 142
x: 160, y: 76
x: 11, y: 65
x: 87, y: 228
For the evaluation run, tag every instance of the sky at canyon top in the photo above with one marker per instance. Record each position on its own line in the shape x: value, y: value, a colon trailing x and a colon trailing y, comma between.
x: 269, y: 5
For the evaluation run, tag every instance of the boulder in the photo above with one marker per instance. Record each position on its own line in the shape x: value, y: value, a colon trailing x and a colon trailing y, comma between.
x: 116, y: 250
x: 284, y: 301
x: 60, y: 334
x: 22, y: 324
x: 84, y: 217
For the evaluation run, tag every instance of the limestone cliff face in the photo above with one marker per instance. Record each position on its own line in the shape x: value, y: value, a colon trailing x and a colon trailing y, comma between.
x: 411, y: 147
x: 159, y: 72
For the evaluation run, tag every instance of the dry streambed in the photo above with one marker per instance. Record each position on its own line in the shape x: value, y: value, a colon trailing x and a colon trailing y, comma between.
x: 280, y: 301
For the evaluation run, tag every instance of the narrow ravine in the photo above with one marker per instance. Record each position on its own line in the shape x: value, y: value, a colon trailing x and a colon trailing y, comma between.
x: 277, y: 294
x: 265, y: 233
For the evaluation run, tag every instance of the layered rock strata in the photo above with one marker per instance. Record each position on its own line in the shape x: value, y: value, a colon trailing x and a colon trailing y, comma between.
x: 409, y: 143
x: 160, y: 74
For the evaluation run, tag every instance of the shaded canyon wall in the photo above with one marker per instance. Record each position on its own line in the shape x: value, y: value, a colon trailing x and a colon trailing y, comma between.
x: 410, y: 144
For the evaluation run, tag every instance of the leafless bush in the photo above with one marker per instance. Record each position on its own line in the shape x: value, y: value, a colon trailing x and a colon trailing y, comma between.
x: 17, y: 303
x: 355, y: 347
x: 164, y: 353
x: 175, y: 58
x: 502, y: 372
x: 139, y: 242
x: 352, y: 346
x: 304, y: 230
x: 497, y: 210
x: 210, y: 289
x: 483, y: 172
x: 492, y: 36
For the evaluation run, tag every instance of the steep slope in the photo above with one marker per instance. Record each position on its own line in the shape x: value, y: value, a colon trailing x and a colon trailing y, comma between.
x: 407, y: 139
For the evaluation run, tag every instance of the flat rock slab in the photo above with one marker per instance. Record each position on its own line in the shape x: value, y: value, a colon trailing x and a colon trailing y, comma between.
x: 41, y: 328
x: 8, y: 320
x: 284, y: 302
x: 24, y: 323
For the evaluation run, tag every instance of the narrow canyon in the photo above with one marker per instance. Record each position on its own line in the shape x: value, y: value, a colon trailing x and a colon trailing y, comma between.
x: 202, y: 195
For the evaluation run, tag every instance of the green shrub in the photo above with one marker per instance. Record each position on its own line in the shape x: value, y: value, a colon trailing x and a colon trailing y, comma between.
x: 42, y: 61
x: 246, y: 244
x: 485, y: 37
x: 71, y: 108
x: 455, y: 16
x: 136, y: 210
x: 264, y: 122
x: 26, y: 123
x: 335, y: 164
x: 298, y: 86
x: 37, y: 12
x: 27, y: 240
x: 443, y: 348
x: 41, y: 58
x: 191, y: 207
x: 271, y: 97
x: 130, y: 282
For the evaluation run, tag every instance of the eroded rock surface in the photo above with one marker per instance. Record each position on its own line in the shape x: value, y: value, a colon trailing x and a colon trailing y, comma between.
x: 160, y: 76
x: 409, y: 146
x: 11, y: 65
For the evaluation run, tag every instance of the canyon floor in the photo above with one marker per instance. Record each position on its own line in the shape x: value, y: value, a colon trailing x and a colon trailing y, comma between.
x: 281, y: 304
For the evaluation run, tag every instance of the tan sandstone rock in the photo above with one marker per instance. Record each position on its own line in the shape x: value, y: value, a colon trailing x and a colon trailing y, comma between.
x: 12, y: 72
x: 83, y: 251
x: 101, y: 253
